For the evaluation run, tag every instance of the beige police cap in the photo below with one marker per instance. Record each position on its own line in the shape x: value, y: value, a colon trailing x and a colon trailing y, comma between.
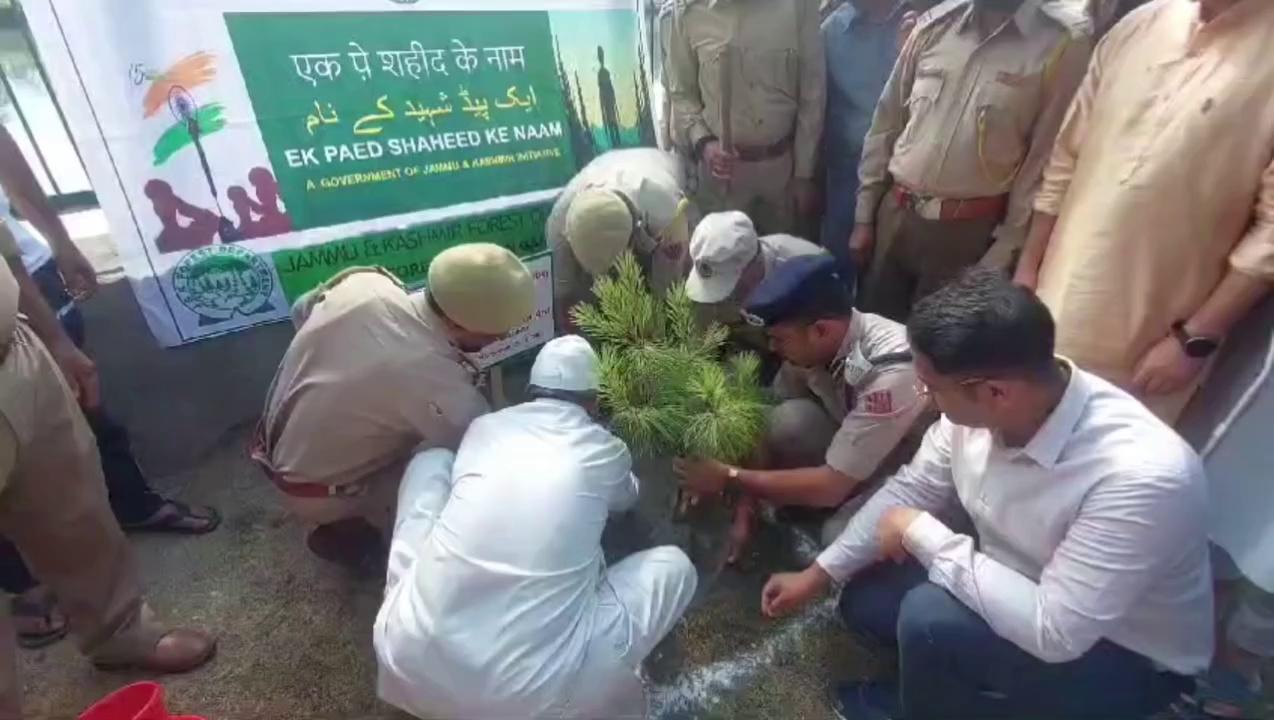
x: 482, y: 287
x: 598, y: 228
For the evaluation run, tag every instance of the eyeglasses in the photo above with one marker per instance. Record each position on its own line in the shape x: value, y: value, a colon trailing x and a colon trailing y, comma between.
x: 922, y: 389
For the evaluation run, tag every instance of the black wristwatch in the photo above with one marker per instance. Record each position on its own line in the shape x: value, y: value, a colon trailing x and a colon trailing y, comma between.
x: 1195, y: 346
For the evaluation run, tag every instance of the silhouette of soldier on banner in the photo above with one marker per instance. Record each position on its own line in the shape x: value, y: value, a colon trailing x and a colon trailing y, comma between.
x: 606, y: 98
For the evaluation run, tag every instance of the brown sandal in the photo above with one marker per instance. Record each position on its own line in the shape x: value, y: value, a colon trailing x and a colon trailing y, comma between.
x: 36, y: 618
x: 178, y: 518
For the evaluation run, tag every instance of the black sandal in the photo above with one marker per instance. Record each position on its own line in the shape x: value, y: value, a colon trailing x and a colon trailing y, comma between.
x: 43, y: 610
x: 178, y: 518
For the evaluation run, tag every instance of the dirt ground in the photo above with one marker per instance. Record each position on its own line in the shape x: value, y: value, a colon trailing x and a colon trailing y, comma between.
x: 295, y: 634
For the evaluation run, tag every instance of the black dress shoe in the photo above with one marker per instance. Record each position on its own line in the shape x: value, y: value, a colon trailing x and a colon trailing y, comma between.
x: 866, y: 701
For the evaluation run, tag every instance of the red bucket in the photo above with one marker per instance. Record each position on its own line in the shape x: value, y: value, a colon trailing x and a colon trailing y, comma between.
x: 139, y: 701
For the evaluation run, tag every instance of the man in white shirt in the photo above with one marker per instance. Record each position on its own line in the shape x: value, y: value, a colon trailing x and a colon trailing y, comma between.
x: 1086, y: 591
x: 499, y: 603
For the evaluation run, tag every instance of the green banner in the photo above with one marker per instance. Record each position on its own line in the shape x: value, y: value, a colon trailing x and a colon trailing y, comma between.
x: 285, y: 141
x: 366, y: 115
x: 407, y: 253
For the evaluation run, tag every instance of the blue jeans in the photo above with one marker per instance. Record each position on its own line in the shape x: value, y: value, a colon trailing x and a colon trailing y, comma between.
x: 838, y: 210
x: 49, y: 280
x: 953, y: 666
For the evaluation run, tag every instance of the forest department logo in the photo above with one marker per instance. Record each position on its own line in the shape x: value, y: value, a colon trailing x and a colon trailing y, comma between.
x: 219, y: 282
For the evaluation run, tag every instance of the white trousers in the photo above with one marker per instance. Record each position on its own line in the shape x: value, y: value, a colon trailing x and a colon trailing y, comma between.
x: 641, y: 598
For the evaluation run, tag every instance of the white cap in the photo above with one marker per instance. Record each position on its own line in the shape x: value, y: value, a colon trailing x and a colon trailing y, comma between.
x: 721, y: 248
x: 566, y: 363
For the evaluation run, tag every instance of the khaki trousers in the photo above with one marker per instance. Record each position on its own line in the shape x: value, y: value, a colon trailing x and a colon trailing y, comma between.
x: 761, y: 190
x: 798, y: 433
x: 375, y: 505
x: 54, y: 509
x: 915, y: 256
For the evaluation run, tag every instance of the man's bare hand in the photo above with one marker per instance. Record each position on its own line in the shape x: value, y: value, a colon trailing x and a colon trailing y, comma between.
x: 720, y: 162
x: 785, y: 592
x: 891, y: 529
x: 77, y: 271
x: 702, y: 477
x: 805, y: 196
x: 1026, y: 277
x: 1165, y: 369
x: 80, y: 373
x: 861, y: 243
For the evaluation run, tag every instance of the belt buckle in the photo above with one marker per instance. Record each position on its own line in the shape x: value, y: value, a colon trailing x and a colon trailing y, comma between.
x: 347, y: 491
x: 929, y: 208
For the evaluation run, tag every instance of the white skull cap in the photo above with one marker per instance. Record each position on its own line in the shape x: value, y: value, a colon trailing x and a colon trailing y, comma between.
x: 566, y: 363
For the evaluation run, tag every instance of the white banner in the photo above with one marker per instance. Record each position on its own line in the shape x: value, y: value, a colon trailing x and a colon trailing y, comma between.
x: 246, y: 150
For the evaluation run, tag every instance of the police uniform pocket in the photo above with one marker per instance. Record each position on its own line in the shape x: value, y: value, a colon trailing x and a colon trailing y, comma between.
x: 926, y: 88
x: 772, y: 69
x: 711, y: 62
x: 1007, y: 106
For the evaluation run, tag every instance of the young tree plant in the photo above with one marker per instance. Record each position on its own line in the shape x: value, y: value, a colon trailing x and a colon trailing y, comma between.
x: 666, y: 382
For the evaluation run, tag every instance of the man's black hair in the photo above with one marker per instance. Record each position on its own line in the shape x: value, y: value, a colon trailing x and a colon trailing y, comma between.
x: 823, y: 300
x: 983, y: 325
x: 583, y: 398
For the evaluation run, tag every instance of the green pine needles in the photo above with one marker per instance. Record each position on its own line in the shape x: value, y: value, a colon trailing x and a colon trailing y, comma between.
x: 664, y: 380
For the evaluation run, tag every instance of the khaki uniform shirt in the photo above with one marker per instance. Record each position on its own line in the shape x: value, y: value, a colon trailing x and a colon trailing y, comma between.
x: 1162, y: 182
x: 571, y: 283
x: 9, y: 250
x: 774, y: 249
x: 875, y: 405
x: 8, y: 327
x: 770, y: 55
x: 369, y: 377
x: 964, y: 116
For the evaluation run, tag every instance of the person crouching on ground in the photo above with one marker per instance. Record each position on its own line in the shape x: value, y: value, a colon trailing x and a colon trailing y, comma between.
x: 1085, y: 591
x: 633, y: 199
x: 374, y: 373
x: 498, y: 601
x: 848, y: 392
x: 728, y: 261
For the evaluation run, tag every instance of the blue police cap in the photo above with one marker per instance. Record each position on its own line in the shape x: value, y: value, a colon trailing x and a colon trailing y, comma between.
x: 794, y: 284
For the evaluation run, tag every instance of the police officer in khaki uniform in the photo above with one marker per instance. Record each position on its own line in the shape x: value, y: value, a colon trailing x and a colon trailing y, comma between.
x: 727, y: 262
x: 959, y: 140
x: 631, y: 199
x: 374, y: 374
x: 850, y: 410
x: 747, y: 84
x: 53, y: 502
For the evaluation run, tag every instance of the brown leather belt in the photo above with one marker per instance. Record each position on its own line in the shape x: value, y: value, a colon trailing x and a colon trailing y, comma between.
x: 259, y: 455
x: 757, y: 153
x: 932, y: 208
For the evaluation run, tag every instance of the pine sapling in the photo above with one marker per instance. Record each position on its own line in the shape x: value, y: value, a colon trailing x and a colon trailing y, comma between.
x: 665, y: 382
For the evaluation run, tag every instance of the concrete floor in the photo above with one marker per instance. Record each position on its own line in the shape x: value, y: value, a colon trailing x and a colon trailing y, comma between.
x: 295, y: 633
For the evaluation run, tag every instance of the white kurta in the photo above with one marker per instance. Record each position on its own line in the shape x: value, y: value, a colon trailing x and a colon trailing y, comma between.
x: 497, y: 588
